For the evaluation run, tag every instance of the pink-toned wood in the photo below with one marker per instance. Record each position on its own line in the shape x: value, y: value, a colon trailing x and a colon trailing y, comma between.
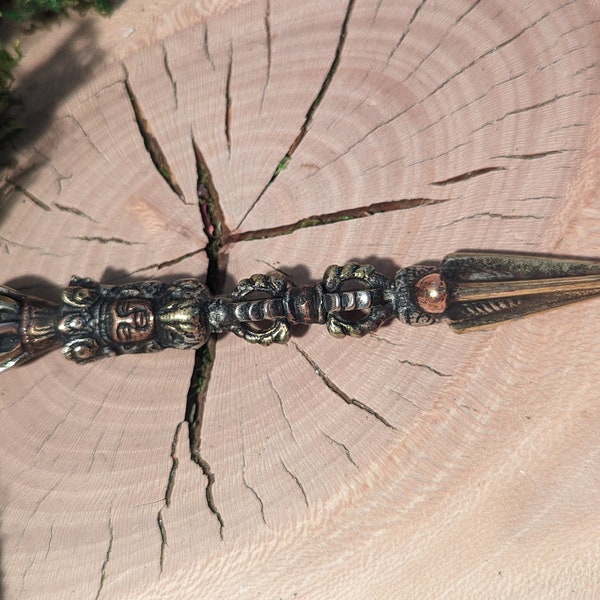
x: 412, y: 463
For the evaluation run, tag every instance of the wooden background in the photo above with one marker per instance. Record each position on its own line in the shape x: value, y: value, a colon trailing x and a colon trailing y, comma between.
x: 413, y: 463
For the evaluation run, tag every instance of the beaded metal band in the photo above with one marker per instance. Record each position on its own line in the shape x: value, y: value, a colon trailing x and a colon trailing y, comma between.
x: 466, y: 290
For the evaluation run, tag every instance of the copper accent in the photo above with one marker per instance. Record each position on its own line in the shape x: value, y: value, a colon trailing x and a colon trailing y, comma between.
x: 28, y: 327
x: 130, y: 320
x: 431, y: 294
x: 467, y: 290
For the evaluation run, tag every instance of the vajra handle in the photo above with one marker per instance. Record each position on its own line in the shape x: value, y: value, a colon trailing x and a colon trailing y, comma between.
x: 467, y: 290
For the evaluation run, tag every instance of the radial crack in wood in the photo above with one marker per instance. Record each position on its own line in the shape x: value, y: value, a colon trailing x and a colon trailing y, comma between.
x: 469, y: 175
x: 156, y: 153
x: 103, y: 568
x: 39, y: 203
x: 338, y: 391
x: 335, y: 217
x: 483, y: 447
x: 247, y: 483
x: 157, y: 267
x: 196, y: 402
x: 213, y: 221
x: 163, y: 538
x: 168, y: 494
x: 228, y: 107
x: 170, y: 75
x: 406, y: 29
x: 284, y: 161
x: 343, y: 447
x: 210, y: 500
x: 269, y: 44
x: 297, y: 482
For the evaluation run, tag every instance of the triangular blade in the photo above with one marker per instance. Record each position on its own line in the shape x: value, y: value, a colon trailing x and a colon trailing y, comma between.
x: 485, y: 289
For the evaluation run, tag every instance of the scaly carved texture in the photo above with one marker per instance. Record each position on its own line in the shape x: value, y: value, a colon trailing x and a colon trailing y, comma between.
x: 478, y: 112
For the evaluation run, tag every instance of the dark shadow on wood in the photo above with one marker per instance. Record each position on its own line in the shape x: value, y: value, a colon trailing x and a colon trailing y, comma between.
x: 73, y: 63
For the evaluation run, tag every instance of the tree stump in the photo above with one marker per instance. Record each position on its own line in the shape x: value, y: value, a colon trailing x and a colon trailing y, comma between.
x: 228, y: 140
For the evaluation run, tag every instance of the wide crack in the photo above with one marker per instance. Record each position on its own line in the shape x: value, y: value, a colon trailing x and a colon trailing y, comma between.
x: 349, y: 214
x: 283, y: 162
x: 194, y: 415
x: 213, y: 222
x: 151, y: 144
x: 216, y: 231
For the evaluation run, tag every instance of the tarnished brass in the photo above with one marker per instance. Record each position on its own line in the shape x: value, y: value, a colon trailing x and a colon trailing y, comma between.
x: 468, y: 290
x: 97, y: 320
x: 28, y: 327
x: 485, y: 289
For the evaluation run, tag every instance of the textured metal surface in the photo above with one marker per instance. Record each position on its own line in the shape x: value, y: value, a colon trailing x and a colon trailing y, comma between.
x: 466, y: 290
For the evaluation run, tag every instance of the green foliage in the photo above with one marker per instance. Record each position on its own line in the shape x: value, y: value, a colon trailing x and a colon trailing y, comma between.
x: 8, y: 61
x: 35, y: 10
x: 30, y: 11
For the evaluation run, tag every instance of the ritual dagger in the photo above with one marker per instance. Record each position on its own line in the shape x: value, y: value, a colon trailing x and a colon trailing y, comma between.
x: 468, y: 290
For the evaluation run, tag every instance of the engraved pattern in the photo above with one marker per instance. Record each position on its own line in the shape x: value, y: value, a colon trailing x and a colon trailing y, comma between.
x: 333, y: 281
x: 245, y: 313
x: 466, y: 290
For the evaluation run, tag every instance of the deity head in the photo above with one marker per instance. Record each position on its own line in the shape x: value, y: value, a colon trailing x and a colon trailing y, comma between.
x: 130, y: 320
x: 99, y: 320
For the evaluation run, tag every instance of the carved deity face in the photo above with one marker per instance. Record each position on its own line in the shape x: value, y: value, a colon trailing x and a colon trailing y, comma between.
x: 130, y: 320
x: 102, y: 320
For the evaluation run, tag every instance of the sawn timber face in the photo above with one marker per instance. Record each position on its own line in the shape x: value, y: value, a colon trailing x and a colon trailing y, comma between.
x: 473, y: 124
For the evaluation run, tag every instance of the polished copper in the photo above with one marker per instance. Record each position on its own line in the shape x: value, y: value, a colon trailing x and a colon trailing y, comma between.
x: 431, y: 294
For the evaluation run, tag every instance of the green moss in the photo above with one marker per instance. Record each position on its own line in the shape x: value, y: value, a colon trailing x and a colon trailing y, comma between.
x: 283, y: 163
x: 164, y: 172
x: 310, y: 222
x: 204, y: 367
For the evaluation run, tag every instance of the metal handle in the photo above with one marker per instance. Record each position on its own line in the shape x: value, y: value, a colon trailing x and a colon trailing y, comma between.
x: 467, y: 290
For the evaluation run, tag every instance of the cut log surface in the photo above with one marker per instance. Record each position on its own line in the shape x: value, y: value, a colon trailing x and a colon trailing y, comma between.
x: 412, y: 463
